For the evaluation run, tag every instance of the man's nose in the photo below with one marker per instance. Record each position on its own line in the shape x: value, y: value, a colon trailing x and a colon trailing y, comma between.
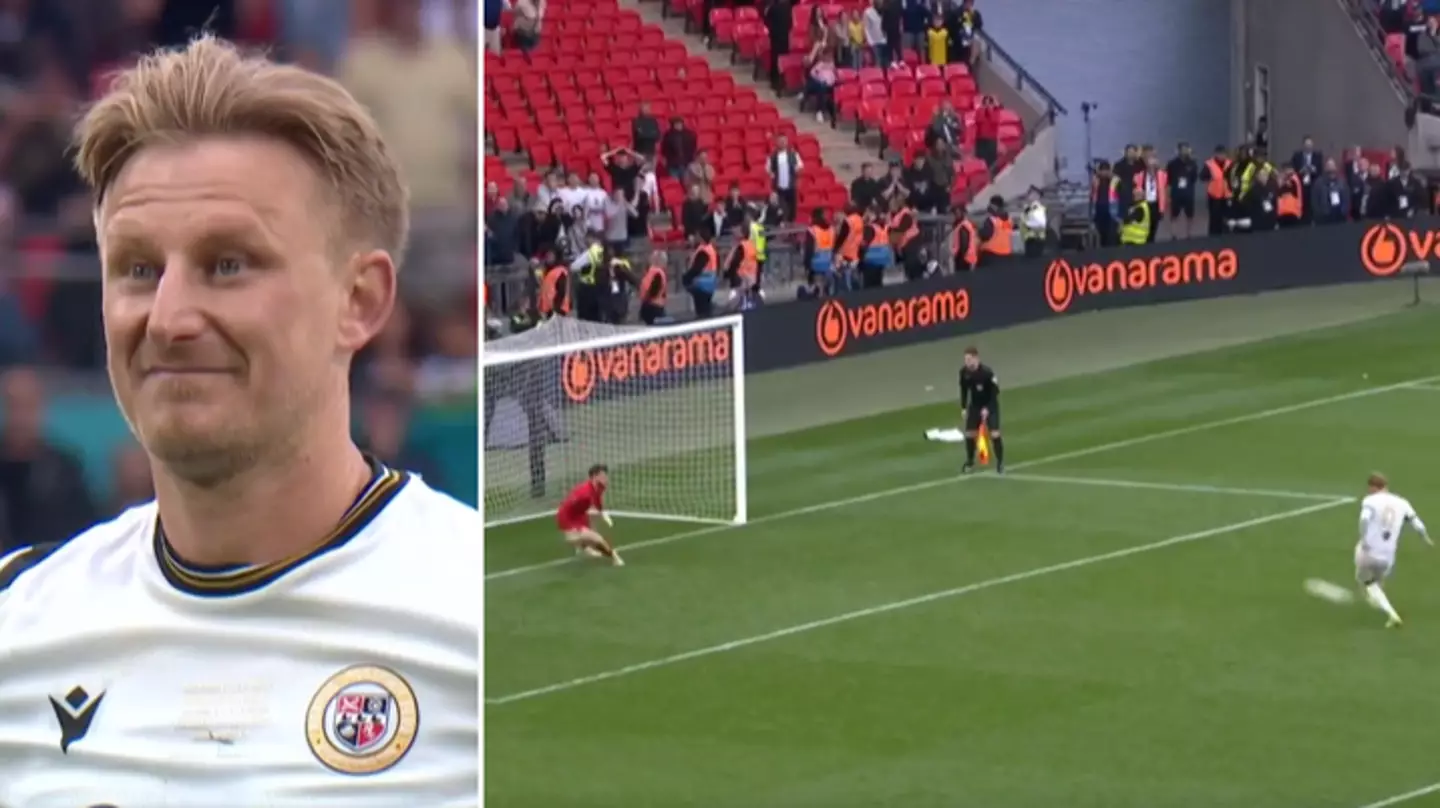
x: 175, y: 313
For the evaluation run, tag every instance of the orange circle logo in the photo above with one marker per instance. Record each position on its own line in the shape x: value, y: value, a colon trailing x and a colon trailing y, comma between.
x: 577, y: 375
x: 1382, y: 250
x: 1059, y: 285
x: 830, y: 330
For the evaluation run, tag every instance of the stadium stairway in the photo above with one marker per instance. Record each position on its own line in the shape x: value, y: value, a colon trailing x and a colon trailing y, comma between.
x: 839, y: 150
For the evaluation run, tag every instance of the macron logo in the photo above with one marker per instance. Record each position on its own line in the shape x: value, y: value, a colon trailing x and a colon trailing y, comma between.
x: 75, y: 713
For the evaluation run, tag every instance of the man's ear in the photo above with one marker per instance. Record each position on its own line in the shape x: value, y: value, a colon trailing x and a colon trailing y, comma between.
x: 369, y: 298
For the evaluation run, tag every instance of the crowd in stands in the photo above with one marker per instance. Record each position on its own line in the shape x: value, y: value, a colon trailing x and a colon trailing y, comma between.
x: 1245, y: 192
x: 412, y: 62
x: 1412, y: 40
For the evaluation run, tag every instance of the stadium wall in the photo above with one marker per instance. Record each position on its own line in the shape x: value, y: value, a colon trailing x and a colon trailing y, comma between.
x: 1030, y: 290
x: 1160, y: 71
x: 1324, y: 79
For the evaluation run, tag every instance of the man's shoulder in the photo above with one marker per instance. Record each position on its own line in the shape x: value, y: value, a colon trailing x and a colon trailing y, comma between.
x: 51, y: 561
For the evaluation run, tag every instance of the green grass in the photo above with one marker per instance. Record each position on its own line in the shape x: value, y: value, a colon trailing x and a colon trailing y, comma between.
x: 1194, y: 674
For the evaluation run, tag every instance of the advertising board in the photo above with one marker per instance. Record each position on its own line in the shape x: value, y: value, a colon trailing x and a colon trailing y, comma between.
x: 1026, y: 290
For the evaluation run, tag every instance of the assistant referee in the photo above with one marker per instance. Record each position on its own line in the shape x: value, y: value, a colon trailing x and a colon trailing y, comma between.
x: 980, y: 404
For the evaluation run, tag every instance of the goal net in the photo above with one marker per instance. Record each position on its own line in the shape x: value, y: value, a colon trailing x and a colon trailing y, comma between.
x: 663, y: 407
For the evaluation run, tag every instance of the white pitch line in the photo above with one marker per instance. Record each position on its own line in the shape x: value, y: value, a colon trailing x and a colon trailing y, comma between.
x: 1406, y: 797
x: 910, y: 489
x: 921, y: 600
x: 1434, y: 388
x: 1186, y: 488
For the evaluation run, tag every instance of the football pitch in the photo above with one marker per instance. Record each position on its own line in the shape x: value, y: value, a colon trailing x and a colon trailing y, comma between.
x: 1119, y: 621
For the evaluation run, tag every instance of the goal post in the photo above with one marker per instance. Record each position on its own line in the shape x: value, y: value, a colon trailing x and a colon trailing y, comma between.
x: 663, y: 407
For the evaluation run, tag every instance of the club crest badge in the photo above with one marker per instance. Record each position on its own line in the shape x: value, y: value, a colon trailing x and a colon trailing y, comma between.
x: 362, y: 720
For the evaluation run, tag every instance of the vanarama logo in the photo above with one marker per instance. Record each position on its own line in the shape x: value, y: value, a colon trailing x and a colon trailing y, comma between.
x: 838, y: 325
x: 1065, y: 281
x: 581, y: 372
x: 1385, y: 249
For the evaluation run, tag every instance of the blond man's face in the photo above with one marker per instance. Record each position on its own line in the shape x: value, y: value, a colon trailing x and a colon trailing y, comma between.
x: 228, y: 317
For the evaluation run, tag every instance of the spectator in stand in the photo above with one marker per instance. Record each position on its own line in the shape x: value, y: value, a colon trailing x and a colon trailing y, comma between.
x: 917, y: 14
x: 1259, y: 207
x: 866, y: 188
x: 596, y: 198
x: 624, y: 167
x: 945, y: 127
x: 447, y: 374
x: 694, y: 214
x: 1427, y: 56
x: 1125, y: 170
x: 925, y: 196
x: 937, y: 42
x: 1357, y: 180
x: 645, y: 132
x: 577, y: 235
x: 892, y: 19
x: 494, y: 9
x: 875, y: 34
x: 617, y: 222
x: 1153, y: 188
x: 384, y: 434
x: 821, y: 32
x: 1405, y: 193
x: 778, y: 18
x: 1330, y: 196
x: 573, y: 194
x: 769, y: 214
x: 529, y: 15
x: 895, y: 188
x: 852, y: 34
x: 549, y: 224
x: 1374, y: 202
x: 820, y: 82
x: 422, y: 92
x: 702, y: 175
x: 43, y: 496
x: 502, y: 234
x: 548, y: 191
x: 1183, y: 174
x: 942, y: 166
x: 987, y: 131
x: 784, y: 167
x: 1354, y: 170
x: 734, y: 210
x: 1393, y: 15
x: 1398, y: 158
x: 678, y: 148
x: 965, y: 24
x: 1034, y: 227
x: 637, y: 220
x: 1307, y: 163
x: 1105, y: 202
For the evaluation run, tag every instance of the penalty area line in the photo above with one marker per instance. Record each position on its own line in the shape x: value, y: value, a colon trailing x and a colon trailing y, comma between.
x: 1184, y: 488
x: 1425, y: 791
x: 921, y: 600
x: 942, y: 481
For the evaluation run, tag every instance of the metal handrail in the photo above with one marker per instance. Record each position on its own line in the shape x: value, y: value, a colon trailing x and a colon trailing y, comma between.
x: 1025, y: 76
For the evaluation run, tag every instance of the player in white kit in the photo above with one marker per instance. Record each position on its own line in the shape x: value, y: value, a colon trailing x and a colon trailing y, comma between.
x: 1383, y: 516
x: 290, y: 624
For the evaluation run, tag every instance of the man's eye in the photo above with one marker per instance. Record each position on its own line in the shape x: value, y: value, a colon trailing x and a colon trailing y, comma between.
x: 140, y: 271
x: 226, y: 267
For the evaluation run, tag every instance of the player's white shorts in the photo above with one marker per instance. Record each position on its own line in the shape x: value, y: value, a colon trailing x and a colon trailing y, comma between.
x: 1371, y: 569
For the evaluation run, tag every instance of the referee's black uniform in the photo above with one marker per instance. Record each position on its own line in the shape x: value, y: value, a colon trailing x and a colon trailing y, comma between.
x: 979, y: 391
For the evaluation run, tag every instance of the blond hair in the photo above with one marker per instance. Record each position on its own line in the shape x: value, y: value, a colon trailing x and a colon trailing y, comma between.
x: 211, y: 88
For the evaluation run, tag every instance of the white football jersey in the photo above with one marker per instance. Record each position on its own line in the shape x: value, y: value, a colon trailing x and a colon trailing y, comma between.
x: 345, y: 678
x: 1383, y: 516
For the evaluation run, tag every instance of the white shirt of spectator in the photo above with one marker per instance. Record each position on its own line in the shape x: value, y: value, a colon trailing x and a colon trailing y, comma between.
x: 874, y: 29
x: 572, y: 198
x: 595, y: 202
x: 780, y: 168
x: 1152, y: 188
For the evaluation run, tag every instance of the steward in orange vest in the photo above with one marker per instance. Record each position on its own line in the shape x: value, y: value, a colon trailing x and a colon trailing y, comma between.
x: 654, y: 289
x: 1290, y: 200
x: 742, y: 265
x: 700, y: 277
x: 996, y: 233
x: 852, y: 230
x: 876, y: 254
x: 964, y: 245
x: 1153, y: 182
x: 1215, y: 174
x: 554, y: 297
x: 905, y: 236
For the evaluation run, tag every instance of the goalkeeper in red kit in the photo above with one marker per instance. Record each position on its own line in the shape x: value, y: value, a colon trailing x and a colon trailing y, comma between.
x: 573, y: 516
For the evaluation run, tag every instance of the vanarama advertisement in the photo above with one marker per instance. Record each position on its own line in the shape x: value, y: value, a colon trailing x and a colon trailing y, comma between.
x: 1386, y: 248
x: 841, y: 324
x: 656, y: 362
x: 1068, y: 281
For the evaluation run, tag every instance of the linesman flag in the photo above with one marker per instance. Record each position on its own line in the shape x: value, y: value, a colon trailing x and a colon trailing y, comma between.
x: 982, y: 446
